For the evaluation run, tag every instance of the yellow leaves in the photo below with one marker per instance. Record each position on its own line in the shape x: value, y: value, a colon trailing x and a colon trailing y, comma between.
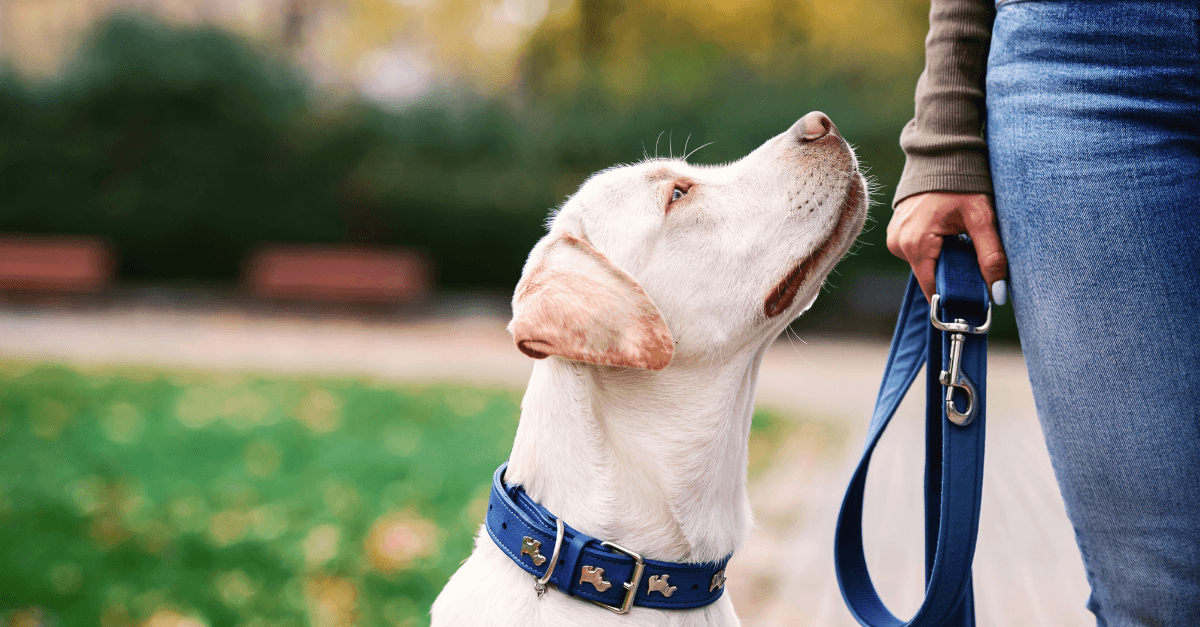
x: 466, y: 405
x: 679, y: 46
x: 27, y: 617
x: 866, y: 29
x: 170, y: 618
x: 269, y: 521
x: 108, y: 530
x: 396, y: 541
x: 241, y: 408
x: 377, y: 22
x: 189, y: 513
x: 320, y: 411
x: 235, y: 587
x: 196, y: 407
x: 332, y: 601
x: 228, y: 526
x: 321, y: 544
x: 846, y: 28
x: 340, y: 497
x: 232, y: 523
x: 245, y: 409
x: 342, y: 35
x: 117, y: 510
x: 233, y: 471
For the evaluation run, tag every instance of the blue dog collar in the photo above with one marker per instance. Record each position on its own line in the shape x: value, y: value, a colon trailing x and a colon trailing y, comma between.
x: 580, y: 565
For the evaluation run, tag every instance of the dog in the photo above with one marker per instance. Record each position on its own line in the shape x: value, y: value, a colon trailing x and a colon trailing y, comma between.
x: 650, y: 304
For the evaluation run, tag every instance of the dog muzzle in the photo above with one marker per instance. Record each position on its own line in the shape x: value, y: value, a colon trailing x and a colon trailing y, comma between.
x: 579, y: 565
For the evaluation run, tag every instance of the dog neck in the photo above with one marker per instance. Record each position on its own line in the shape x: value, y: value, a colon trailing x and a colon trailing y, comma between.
x: 653, y: 461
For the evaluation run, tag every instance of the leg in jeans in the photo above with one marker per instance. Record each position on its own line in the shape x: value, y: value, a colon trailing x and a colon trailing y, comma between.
x: 1094, y: 133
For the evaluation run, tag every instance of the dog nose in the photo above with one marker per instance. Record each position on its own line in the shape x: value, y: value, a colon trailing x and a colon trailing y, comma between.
x: 813, y: 126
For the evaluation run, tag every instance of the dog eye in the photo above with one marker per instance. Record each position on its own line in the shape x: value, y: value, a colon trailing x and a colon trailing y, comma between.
x: 677, y: 194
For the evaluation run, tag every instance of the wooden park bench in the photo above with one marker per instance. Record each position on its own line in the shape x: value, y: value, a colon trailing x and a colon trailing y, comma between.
x: 63, y: 264
x: 365, y: 274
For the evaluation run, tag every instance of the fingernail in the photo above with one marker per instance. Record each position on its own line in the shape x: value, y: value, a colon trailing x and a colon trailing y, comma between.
x: 1000, y: 292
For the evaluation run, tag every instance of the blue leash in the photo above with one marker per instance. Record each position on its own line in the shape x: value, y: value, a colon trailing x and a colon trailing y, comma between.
x: 954, y: 338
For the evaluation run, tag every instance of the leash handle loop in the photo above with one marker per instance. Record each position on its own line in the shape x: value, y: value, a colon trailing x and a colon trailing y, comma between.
x: 956, y: 355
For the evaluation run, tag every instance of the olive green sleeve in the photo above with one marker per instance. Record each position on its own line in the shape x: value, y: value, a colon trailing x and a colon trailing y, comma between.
x: 943, y: 143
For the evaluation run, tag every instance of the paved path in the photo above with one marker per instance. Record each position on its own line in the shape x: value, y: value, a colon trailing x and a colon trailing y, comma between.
x: 1027, y: 570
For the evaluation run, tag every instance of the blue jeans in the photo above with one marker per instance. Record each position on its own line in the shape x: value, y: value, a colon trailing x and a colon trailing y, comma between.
x: 1093, y: 126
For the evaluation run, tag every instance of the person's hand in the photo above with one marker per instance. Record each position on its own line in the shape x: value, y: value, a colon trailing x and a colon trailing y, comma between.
x: 915, y: 235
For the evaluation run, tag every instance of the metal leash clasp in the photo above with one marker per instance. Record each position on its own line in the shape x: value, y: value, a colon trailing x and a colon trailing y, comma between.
x: 539, y: 583
x: 954, y: 378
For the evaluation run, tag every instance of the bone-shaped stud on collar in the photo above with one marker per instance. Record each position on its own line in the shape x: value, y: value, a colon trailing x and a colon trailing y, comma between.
x: 532, y: 548
x: 659, y: 584
x: 594, y: 576
x: 718, y: 580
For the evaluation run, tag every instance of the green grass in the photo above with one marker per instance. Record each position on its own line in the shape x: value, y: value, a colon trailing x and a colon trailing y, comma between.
x: 239, y: 500
x: 132, y: 494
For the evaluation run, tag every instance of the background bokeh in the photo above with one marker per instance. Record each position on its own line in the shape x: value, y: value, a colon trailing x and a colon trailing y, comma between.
x: 189, y: 131
x: 185, y: 134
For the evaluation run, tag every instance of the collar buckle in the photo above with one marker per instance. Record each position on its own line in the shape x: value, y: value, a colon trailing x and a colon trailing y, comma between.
x: 630, y: 586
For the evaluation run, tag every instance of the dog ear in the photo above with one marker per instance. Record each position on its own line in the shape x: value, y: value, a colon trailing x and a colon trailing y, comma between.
x: 574, y: 303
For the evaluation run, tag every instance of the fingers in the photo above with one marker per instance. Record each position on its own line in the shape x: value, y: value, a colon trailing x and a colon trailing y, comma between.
x: 917, y: 226
x: 915, y: 234
x: 980, y: 221
x: 925, y: 270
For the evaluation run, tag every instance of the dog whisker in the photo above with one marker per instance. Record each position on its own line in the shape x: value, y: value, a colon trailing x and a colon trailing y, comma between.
x: 695, y: 150
x: 801, y: 355
x: 787, y: 332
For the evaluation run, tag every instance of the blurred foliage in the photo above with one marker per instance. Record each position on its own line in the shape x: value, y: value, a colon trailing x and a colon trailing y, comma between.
x: 130, y: 494
x: 187, y: 146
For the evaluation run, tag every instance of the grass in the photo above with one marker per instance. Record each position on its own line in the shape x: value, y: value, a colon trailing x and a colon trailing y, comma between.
x: 177, y: 499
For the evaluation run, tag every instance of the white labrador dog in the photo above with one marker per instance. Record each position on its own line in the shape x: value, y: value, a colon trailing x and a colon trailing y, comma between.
x: 650, y: 304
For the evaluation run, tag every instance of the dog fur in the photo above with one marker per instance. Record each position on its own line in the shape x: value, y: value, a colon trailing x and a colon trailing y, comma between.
x: 650, y: 318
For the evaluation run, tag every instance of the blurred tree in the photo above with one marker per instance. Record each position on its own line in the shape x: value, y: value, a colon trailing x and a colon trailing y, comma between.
x: 187, y: 146
x: 633, y: 45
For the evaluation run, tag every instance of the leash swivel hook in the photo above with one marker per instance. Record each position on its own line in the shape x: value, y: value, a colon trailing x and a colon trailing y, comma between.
x: 954, y: 378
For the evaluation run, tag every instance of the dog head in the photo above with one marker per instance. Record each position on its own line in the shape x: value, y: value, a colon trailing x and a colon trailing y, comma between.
x: 664, y: 262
